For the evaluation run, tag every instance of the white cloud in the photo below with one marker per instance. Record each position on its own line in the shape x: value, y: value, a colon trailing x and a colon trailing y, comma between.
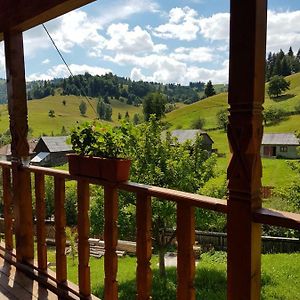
x: 122, y: 10
x: 283, y: 30
x: 200, y: 54
x: 130, y: 41
x: 46, y: 61
x: 76, y: 28
x: 166, y: 69
x: 69, y: 30
x: 183, y: 24
x: 215, y: 27
x: 61, y: 71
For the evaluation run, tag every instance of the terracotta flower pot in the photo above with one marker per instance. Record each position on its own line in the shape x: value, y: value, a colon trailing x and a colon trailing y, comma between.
x: 114, y: 170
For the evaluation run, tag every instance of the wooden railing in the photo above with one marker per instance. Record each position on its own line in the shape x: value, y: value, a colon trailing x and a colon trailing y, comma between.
x: 186, y: 203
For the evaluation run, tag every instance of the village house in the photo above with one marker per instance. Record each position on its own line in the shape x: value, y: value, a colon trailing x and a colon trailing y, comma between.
x: 5, y: 151
x: 191, y: 134
x: 280, y: 145
x: 51, y: 151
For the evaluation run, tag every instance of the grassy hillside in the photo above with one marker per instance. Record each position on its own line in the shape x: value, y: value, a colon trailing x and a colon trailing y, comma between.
x: 207, y: 109
x: 65, y: 115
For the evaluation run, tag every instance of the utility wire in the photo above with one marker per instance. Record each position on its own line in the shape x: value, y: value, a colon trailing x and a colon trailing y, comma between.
x: 66, y: 64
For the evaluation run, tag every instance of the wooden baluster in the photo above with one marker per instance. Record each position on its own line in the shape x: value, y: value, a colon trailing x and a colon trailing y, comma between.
x: 110, y: 241
x: 60, y: 232
x: 22, y: 200
x: 7, y: 209
x: 83, y: 238
x: 246, y: 95
x: 143, y: 246
x: 40, y: 207
x: 185, y: 254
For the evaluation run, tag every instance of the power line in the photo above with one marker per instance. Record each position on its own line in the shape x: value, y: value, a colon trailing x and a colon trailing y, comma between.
x: 66, y: 64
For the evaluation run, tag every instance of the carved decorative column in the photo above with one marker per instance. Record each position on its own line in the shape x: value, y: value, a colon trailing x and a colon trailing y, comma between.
x: 17, y: 106
x: 246, y: 96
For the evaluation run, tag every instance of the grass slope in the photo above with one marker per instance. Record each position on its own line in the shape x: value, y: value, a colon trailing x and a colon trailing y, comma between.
x: 273, y: 169
x: 207, y: 108
x: 65, y: 115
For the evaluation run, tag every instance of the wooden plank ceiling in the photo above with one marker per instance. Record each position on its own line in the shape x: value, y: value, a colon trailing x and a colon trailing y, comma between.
x: 21, y: 15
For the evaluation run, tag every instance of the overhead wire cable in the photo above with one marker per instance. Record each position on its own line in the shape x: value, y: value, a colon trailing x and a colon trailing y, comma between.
x: 67, y: 66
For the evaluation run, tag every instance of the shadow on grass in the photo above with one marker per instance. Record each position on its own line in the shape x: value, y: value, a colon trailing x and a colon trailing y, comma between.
x: 210, y: 284
x: 283, y: 97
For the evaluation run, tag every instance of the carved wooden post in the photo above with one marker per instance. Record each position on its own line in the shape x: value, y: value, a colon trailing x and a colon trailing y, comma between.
x: 17, y: 106
x: 246, y: 95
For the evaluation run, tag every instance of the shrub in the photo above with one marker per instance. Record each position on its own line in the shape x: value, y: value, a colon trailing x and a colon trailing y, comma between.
x: 198, y: 123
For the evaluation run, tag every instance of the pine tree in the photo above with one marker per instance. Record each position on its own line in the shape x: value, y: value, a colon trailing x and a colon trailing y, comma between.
x: 285, y: 68
x: 277, y: 66
x: 298, y: 55
x: 209, y: 89
x: 291, y: 53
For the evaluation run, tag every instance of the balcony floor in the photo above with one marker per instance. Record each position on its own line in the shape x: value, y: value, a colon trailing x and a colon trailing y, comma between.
x: 16, y: 285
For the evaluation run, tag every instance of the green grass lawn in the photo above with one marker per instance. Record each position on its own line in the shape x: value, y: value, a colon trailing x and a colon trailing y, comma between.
x: 280, y: 277
x: 65, y: 115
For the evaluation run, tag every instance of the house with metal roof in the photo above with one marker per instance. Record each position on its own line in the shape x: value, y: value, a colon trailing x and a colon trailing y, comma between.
x: 191, y: 134
x: 280, y: 145
x: 5, y: 151
x: 51, y: 151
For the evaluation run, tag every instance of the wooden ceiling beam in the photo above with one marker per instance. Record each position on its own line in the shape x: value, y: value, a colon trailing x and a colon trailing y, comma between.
x: 21, y: 15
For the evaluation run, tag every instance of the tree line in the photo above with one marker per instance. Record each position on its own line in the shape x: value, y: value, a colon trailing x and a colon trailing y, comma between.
x: 282, y: 64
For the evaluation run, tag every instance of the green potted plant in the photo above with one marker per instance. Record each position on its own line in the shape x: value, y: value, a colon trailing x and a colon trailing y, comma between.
x: 101, y: 151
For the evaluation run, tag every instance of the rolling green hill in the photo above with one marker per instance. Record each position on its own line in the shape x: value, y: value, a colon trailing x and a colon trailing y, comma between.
x: 65, y: 115
x: 207, y: 109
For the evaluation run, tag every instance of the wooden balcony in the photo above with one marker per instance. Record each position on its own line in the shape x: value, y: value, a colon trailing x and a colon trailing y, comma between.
x: 56, y: 285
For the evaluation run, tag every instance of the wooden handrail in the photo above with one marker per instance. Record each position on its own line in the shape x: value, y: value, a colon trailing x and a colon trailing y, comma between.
x: 263, y: 215
x: 186, y: 203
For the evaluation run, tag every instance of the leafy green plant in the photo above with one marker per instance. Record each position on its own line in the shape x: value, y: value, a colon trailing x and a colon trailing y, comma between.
x: 93, y: 139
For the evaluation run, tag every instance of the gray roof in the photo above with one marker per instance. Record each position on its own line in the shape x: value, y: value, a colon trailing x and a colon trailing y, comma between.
x: 280, y: 139
x: 56, y: 143
x: 189, y: 134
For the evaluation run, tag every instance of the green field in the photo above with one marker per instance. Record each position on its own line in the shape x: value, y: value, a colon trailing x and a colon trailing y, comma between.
x: 280, y: 277
x: 207, y: 109
x: 273, y: 169
x: 65, y: 115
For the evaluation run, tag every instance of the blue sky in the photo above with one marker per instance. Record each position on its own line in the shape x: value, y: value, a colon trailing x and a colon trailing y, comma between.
x: 164, y: 41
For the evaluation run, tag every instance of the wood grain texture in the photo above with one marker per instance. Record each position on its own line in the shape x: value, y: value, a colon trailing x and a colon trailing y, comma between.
x: 83, y: 238
x: 16, y: 93
x: 185, y: 254
x: 40, y: 207
x: 7, y: 209
x: 60, y: 230
x: 143, y: 246
x: 246, y: 96
x: 22, y: 201
x: 110, y: 241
